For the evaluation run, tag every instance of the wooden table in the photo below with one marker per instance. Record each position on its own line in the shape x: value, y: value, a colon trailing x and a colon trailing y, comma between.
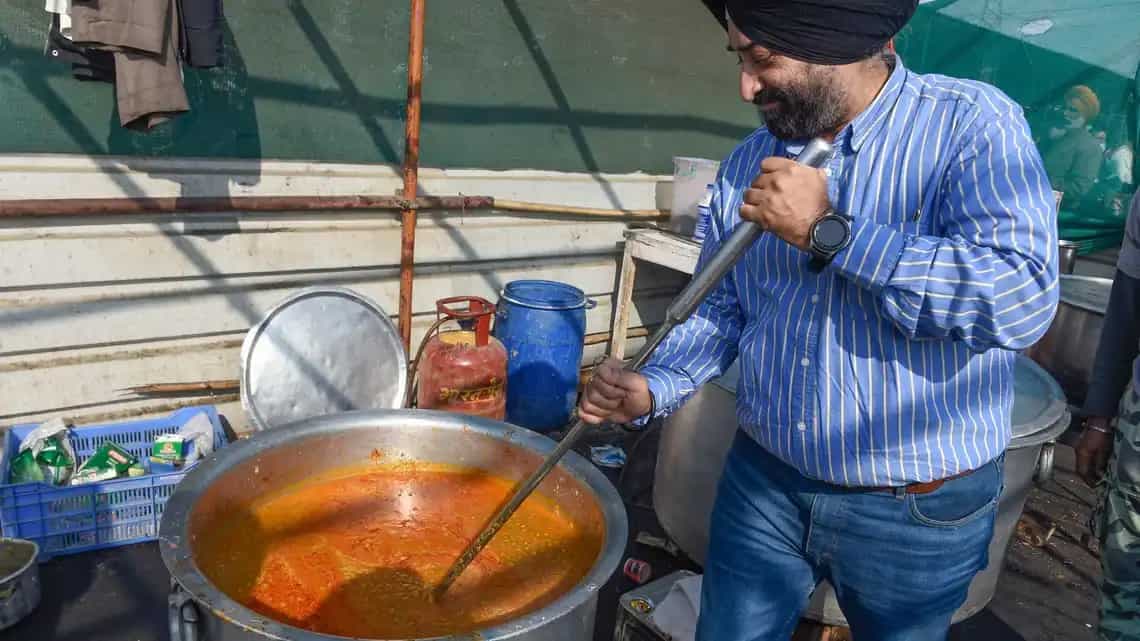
x: 654, y: 246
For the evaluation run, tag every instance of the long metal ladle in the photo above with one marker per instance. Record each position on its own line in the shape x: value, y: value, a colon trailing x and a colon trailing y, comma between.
x: 815, y: 154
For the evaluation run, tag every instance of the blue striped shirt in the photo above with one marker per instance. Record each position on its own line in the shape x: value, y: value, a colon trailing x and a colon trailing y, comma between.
x: 895, y: 363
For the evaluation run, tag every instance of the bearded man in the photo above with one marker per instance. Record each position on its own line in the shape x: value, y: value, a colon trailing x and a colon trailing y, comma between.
x: 875, y: 325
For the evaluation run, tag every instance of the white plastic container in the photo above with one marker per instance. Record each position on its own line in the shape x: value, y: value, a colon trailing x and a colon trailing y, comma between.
x: 704, y: 215
x: 691, y: 176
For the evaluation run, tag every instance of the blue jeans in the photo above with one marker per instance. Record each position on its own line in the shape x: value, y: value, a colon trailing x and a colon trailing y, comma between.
x: 900, y: 563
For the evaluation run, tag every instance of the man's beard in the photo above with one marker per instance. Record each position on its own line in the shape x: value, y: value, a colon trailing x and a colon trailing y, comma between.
x: 805, y: 111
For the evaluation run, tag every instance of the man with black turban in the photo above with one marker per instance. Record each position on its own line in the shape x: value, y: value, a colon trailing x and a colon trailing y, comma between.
x: 875, y: 326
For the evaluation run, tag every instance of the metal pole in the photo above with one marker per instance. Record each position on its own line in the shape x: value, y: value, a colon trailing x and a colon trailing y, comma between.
x: 142, y: 205
x: 411, y: 167
x: 815, y: 154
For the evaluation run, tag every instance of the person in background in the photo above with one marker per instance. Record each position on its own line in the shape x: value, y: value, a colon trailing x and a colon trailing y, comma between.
x: 1116, y: 173
x: 875, y: 324
x: 1073, y: 158
x: 1112, y: 429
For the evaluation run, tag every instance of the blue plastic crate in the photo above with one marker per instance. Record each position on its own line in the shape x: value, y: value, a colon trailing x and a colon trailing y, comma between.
x: 93, y: 516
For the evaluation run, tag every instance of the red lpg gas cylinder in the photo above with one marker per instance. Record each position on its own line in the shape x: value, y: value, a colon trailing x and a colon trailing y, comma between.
x: 464, y: 370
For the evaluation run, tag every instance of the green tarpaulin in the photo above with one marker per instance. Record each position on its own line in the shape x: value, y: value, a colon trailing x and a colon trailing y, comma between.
x: 1036, y: 51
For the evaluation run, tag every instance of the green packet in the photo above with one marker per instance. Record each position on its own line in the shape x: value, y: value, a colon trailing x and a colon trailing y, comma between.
x: 108, y: 462
x: 24, y: 469
x: 54, y: 461
x: 170, y: 448
x: 52, y: 464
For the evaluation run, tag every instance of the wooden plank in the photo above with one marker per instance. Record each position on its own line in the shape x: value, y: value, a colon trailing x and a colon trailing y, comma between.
x: 665, y: 249
x: 623, y: 299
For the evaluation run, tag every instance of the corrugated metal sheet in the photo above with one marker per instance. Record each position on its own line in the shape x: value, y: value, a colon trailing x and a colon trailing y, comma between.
x: 90, y: 306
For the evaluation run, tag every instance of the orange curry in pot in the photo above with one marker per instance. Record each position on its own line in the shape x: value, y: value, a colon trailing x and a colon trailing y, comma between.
x: 357, y: 553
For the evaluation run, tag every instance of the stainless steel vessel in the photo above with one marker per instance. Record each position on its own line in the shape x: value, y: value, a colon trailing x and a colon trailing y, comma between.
x: 1067, y: 255
x: 1068, y: 349
x: 696, y: 440
x: 19, y: 580
x: 276, y: 458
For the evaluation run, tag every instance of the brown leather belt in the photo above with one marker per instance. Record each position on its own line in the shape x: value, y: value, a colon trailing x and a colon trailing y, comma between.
x: 923, y: 488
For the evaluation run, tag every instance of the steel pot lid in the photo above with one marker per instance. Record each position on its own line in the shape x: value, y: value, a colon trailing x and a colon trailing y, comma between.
x: 1040, y: 411
x: 1086, y: 292
x: 321, y: 351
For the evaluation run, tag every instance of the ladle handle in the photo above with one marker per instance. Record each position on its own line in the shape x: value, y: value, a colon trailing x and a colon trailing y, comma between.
x: 815, y: 154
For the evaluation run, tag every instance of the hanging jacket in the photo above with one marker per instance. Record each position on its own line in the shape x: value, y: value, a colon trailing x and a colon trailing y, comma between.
x: 202, y: 43
x: 143, y: 35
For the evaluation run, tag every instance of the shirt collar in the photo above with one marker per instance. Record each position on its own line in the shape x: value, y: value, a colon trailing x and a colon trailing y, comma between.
x: 871, y: 120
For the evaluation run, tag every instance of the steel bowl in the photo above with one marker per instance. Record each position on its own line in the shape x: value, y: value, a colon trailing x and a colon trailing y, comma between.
x: 19, y: 580
x: 279, y: 457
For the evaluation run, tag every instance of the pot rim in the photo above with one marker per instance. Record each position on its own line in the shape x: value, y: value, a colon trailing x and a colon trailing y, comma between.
x: 27, y: 564
x: 1094, y: 280
x: 178, y: 558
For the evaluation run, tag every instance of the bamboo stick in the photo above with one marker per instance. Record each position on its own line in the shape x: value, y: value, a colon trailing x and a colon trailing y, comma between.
x: 519, y: 206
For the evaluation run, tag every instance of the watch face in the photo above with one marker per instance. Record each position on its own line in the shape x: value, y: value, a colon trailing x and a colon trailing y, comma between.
x: 830, y: 233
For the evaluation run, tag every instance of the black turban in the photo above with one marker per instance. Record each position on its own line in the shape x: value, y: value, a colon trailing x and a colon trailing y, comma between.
x: 827, y: 32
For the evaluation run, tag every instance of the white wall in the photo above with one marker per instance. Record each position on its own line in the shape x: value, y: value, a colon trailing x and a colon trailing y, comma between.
x: 91, y: 305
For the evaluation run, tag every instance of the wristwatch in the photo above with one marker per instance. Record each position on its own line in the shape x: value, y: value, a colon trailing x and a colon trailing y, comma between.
x: 829, y: 235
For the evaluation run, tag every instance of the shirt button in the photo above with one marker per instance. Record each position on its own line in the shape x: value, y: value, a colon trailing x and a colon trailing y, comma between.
x: 815, y: 298
x: 805, y: 362
x: 801, y: 426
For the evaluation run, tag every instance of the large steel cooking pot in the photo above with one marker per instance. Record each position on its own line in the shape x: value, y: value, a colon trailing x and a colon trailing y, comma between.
x: 282, y: 456
x: 696, y: 440
x: 1069, y: 346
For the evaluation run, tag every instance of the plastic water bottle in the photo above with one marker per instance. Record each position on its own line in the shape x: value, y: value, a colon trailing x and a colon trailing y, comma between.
x: 704, y: 214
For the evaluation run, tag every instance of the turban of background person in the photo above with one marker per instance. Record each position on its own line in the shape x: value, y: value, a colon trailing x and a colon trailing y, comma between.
x: 1084, y: 100
x: 828, y: 32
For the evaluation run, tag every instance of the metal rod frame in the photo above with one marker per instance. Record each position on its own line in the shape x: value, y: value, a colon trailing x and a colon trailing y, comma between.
x: 411, y: 168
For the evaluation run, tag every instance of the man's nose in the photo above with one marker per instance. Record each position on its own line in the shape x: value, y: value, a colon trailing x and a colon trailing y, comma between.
x: 750, y: 85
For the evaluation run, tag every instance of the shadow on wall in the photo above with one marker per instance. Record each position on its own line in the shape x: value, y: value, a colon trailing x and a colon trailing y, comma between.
x: 317, y: 79
x: 221, y: 123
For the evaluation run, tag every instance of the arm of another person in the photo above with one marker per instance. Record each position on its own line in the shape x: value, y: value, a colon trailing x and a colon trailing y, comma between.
x: 991, y: 279
x: 1115, y: 355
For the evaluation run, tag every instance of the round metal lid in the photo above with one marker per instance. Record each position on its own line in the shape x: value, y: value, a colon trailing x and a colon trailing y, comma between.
x: 1086, y: 292
x: 321, y: 351
x: 1038, y: 403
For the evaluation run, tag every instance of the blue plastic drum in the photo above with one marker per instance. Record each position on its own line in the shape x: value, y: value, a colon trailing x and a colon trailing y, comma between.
x: 542, y: 324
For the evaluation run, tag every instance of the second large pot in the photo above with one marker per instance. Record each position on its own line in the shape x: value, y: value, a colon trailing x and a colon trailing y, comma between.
x: 696, y: 439
x: 1068, y: 349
